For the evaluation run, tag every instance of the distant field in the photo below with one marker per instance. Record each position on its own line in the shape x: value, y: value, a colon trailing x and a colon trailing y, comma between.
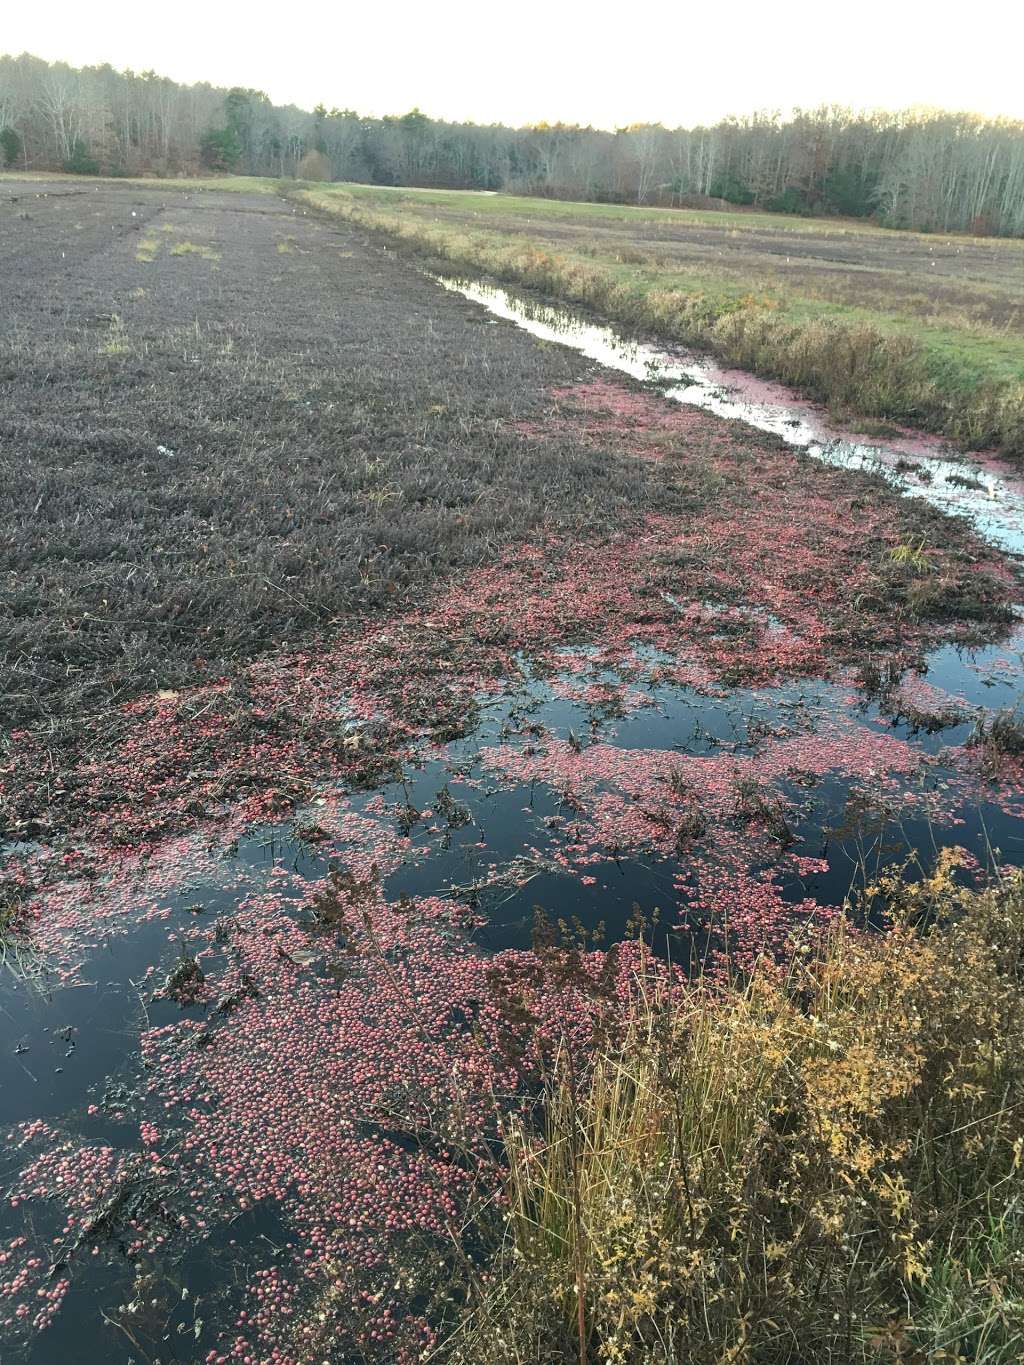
x: 882, y: 324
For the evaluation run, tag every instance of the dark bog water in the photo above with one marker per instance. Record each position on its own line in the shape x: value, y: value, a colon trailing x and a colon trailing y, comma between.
x: 514, y: 816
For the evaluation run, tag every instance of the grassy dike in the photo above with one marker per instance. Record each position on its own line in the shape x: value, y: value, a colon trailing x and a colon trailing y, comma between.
x: 814, y: 1165
x: 961, y: 380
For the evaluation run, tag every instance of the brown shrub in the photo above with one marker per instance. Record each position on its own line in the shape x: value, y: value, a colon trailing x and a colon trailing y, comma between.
x: 315, y: 166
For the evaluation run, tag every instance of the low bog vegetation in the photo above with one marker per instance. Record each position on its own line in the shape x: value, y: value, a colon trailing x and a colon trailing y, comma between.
x: 184, y: 488
x: 809, y: 1166
x: 861, y: 347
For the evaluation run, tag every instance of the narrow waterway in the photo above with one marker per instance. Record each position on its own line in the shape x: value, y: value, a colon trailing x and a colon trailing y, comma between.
x: 989, y: 493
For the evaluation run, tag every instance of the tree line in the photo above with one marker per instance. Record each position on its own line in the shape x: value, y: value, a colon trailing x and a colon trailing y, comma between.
x: 927, y: 170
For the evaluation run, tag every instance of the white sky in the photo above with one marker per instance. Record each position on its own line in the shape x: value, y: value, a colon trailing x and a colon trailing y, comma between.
x: 519, y: 62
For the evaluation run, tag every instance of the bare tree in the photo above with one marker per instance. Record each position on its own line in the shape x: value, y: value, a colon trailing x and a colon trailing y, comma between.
x: 918, y: 169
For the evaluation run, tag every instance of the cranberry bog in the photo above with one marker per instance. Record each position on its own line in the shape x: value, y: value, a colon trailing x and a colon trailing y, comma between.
x: 389, y: 694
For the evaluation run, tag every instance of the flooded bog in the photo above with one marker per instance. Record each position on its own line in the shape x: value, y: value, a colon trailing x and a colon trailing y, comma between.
x: 196, y: 1155
x: 254, y: 1076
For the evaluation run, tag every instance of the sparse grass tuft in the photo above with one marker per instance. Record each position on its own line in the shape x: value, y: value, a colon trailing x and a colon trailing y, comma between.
x: 911, y: 555
x: 116, y: 341
x: 9, y: 917
x: 755, y: 805
x: 960, y: 596
x: 195, y: 249
x: 1000, y: 739
x: 16, y: 952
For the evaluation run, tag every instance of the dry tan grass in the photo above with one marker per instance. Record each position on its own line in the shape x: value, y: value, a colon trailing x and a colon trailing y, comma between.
x: 207, y: 253
x: 817, y: 1165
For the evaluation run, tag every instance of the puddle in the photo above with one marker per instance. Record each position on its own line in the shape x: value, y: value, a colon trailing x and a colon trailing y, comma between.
x: 918, y: 465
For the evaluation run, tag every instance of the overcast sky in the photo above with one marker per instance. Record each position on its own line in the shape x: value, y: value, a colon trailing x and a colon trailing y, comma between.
x: 662, y: 61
